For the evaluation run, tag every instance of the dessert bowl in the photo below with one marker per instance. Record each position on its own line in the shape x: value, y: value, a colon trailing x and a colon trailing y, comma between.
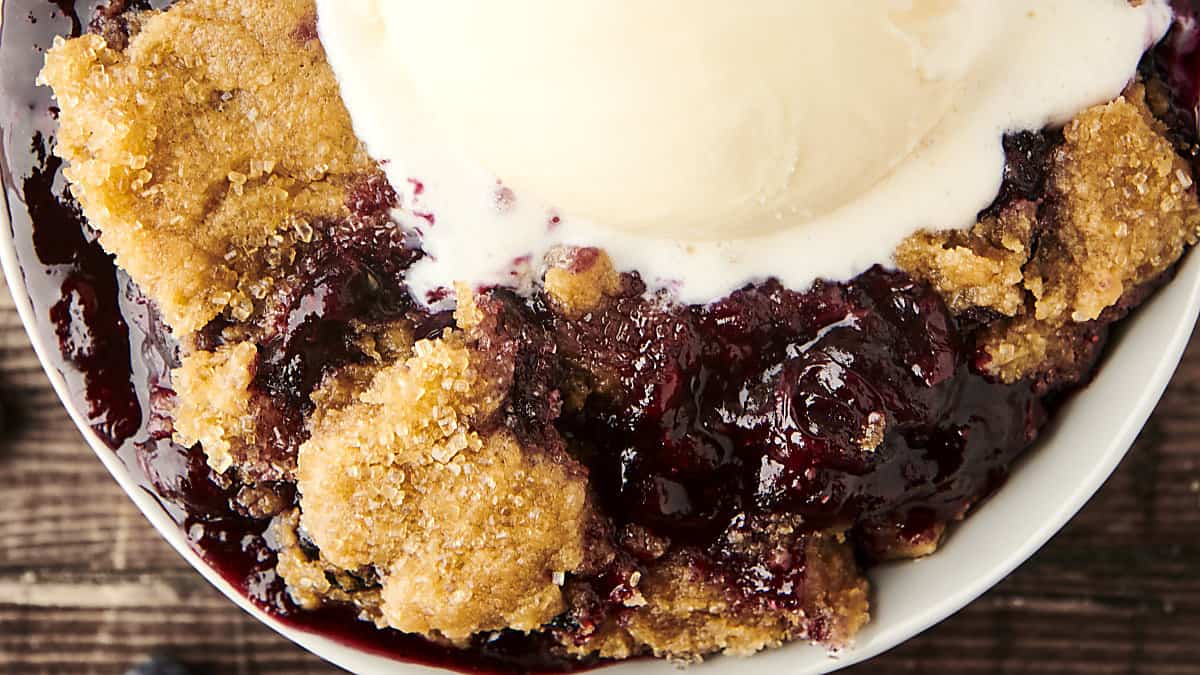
x: 1090, y: 434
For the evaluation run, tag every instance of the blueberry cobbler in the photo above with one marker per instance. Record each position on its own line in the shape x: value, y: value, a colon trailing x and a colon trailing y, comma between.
x: 577, y: 331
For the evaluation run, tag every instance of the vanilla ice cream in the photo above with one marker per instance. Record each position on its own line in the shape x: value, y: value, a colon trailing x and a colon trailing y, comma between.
x: 706, y: 143
x: 711, y: 121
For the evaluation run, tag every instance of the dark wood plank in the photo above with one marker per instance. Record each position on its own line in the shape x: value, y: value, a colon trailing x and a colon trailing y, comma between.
x: 86, y: 586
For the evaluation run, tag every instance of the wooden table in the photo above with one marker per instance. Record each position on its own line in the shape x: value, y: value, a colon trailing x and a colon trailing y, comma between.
x: 86, y: 586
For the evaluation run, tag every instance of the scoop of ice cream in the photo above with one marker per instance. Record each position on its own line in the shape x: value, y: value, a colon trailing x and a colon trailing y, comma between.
x: 705, y: 120
x: 707, y: 143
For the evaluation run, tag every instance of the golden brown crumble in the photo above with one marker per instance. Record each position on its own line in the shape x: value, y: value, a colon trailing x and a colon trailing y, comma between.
x: 976, y: 268
x: 467, y: 314
x: 1026, y: 347
x: 683, y: 615
x: 218, y: 408
x: 469, y: 531
x: 202, y: 147
x: 383, y: 343
x: 578, y: 279
x: 688, y: 617
x: 312, y: 582
x: 214, y: 403
x: 1122, y: 208
x: 1128, y: 207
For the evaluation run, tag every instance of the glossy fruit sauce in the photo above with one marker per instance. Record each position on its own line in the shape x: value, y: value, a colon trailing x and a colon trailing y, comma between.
x: 760, y: 403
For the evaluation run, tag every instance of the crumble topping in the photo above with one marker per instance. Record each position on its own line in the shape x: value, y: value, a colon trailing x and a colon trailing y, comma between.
x: 1120, y: 207
x: 215, y: 402
x: 980, y: 268
x: 682, y: 614
x: 312, y: 581
x: 578, y: 279
x: 205, y: 142
x: 469, y: 531
x: 687, y: 616
x: 1127, y: 207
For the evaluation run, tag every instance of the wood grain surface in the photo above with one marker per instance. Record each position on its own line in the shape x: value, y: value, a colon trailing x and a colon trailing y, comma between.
x: 86, y: 586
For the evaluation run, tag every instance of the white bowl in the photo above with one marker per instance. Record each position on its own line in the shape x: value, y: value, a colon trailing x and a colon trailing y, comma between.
x: 1090, y: 435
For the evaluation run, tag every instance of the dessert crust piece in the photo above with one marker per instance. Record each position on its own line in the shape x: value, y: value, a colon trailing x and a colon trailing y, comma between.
x: 221, y: 407
x: 684, y: 615
x: 200, y: 146
x: 215, y: 404
x: 980, y: 268
x: 469, y: 530
x: 1124, y: 207
x: 1120, y: 208
x: 578, y: 279
x: 313, y: 581
x: 687, y: 617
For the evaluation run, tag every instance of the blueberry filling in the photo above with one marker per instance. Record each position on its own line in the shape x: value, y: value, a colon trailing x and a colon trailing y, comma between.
x: 855, y: 405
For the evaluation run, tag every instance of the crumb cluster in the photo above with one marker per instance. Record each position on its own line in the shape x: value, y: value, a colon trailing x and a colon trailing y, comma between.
x: 203, y: 146
x: 684, y: 615
x: 469, y: 531
x: 214, y: 390
x: 1120, y: 207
